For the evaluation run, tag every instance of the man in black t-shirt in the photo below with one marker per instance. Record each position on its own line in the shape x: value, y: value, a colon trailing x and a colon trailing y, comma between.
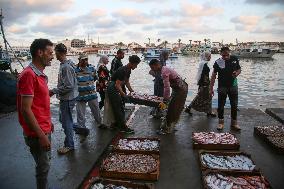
x: 116, y: 62
x: 228, y: 68
x: 116, y: 94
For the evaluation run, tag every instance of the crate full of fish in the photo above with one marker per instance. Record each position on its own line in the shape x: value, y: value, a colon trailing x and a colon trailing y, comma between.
x: 131, y: 166
x: 266, y: 131
x: 145, y: 99
x: 214, y: 141
x: 100, y: 183
x: 226, y: 161
x: 276, y: 142
x: 273, y: 135
x: 138, y: 145
x: 217, y: 180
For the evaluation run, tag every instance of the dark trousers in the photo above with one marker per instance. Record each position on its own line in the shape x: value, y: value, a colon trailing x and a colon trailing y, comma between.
x: 232, y: 93
x: 116, y: 105
x: 102, y: 95
x: 42, y: 160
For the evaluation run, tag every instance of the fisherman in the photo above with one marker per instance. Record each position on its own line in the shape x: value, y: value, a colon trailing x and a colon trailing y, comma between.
x: 86, y: 77
x: 177, y: 99
x: 158, y: 83
x: 116, y: 94
x: 66, y: 91
x: 228, y: 68
x: 33, y: 103
x: 116, y: 62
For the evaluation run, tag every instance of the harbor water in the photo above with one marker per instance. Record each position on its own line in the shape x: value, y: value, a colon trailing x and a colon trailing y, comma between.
x: 261, y: 83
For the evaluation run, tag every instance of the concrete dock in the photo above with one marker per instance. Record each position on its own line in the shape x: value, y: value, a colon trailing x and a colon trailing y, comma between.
x: 179, y: 162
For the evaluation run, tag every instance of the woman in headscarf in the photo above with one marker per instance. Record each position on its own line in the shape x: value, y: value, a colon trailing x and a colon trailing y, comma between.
x: 203, y: 100
x: 104, y: 77
x: 158, y: 82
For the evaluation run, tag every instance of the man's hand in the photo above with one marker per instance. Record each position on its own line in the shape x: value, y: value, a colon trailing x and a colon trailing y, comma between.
x: 163, y: 106
x: 44, y: 142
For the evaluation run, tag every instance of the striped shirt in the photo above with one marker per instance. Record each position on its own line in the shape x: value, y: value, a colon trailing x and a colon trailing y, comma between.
x: 86, y: 83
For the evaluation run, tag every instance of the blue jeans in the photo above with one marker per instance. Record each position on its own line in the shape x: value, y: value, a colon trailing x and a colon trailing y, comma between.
x: 42, y: 160
x: 66, y: 108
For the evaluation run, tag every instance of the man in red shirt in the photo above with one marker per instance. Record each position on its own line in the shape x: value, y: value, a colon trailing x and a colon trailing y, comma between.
x: 33, y: 103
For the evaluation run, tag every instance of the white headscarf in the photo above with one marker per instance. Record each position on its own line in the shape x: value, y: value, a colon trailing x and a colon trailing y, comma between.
x: 101, y: 61
x: 203, y: 60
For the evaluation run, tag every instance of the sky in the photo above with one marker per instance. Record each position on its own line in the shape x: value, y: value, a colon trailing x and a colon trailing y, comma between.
x: 126, y: 21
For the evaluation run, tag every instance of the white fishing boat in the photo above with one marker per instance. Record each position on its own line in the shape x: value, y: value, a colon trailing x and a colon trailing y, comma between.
x: 254, y: 53
x: 155, y: 53
x: 107, y: 51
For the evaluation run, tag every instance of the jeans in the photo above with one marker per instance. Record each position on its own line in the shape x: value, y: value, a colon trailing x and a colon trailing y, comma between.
x: 66, y: 108
x: 42, y: 160
x: 232, y: 93
x: 81, y: 111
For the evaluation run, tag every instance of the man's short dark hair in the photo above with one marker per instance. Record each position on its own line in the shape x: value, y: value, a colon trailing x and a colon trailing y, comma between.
x: 134, y: 59
x: 223, y: 49
x: 119, y: 51
x: 39, y: 44
x: 61, y: 48
x: 153, y: 62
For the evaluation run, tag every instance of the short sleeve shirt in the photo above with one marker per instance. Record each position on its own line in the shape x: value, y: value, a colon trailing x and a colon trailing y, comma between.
x: 32, y: 82
x: 225, y: 70
x: 122, y: 74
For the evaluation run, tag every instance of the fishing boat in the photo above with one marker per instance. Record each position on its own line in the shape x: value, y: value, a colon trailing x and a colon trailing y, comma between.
x: 8, y: 76
x: 254, y: 53
x: 152, y: 53
x: 256, y: 50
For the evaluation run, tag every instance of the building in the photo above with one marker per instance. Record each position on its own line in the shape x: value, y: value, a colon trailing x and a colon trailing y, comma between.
x: 78, y: 43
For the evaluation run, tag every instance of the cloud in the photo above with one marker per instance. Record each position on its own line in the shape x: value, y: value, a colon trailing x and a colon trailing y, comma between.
x: 246, y: 23
x: 265, y: 2
x: 196, y: 10
x: 16, y: 29
x: 146, y: 1
x: 275, y: 31
x: 132, y: 16
x: 133, y: 35
x: 278, y: 17
x: 56, y: 25
x: 20, y: 10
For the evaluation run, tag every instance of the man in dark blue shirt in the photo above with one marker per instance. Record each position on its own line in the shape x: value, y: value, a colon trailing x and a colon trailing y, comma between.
x: 228, y: 68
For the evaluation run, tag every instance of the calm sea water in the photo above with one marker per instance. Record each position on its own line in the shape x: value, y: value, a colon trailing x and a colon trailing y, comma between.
x: 261, y: 83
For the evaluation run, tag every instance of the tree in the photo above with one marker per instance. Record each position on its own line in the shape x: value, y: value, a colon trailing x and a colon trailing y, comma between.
x: 179, y: 40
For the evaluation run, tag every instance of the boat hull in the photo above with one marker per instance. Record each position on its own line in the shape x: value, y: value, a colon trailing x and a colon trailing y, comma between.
x: 8, y: 84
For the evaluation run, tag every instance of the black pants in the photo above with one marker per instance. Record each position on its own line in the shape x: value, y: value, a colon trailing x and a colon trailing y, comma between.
x: 102, y: 95
x: 232, y: 93
x: 117, y: 105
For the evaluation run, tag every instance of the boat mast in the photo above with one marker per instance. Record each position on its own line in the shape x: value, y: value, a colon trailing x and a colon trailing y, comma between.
x: 6, y: 42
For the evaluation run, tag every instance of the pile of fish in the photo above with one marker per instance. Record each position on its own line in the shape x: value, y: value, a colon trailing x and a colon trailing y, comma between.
x: 134, y: 163
x: 234, y: 162
x: 271, y: 130
x: 147, y: 97
x: 138, y: 144
x: 277, y: 141
x: 108, y: 186
x: 214, y: 138
x: 218, y: 181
